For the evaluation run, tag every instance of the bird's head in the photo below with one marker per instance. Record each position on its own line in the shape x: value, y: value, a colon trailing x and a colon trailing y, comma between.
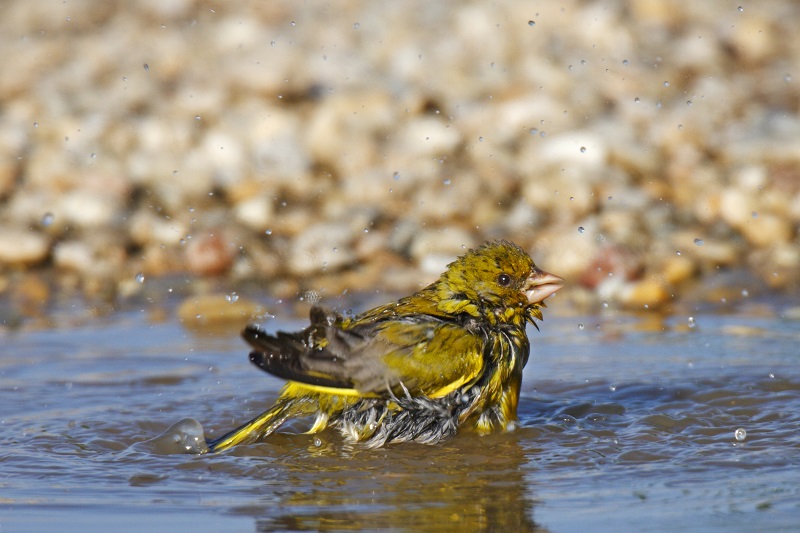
x: 497, y: 281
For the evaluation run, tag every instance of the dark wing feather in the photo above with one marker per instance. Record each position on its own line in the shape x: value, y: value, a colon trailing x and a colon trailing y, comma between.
x: 317, y: 355
x: 425, y: 354
x: 282, y: 355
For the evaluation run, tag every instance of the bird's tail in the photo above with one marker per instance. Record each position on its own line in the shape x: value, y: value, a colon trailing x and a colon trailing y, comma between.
x: 261, y: 426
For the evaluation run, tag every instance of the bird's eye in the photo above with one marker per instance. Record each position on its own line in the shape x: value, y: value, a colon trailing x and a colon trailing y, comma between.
x: 503, y: 279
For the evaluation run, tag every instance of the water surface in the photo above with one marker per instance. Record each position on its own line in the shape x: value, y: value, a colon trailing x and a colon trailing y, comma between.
x: 626, y: 423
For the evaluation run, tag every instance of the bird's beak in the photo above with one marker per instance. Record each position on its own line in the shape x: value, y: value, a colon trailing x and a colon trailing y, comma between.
x: 540, y: 285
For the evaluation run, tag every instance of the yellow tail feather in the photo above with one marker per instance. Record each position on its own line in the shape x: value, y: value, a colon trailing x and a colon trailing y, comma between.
x: 260, y: 427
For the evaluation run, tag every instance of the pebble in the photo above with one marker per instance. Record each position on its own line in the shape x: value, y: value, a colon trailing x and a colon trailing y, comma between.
x: 20, y: 247
x: 644, y: 294
x: 678, y: 269
x: 321, y: 247
x: 256, y: 213
x: 218, y: 310
x: 294, y: 149
x: 210, y: 254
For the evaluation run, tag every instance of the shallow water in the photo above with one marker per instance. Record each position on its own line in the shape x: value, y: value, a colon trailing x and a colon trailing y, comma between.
x: 626, y: 423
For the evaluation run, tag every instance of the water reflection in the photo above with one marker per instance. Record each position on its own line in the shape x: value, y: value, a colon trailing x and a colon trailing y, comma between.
x: 469, y: 484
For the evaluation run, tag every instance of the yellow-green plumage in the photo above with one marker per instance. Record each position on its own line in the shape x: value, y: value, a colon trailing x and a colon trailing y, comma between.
x: 450, y: 355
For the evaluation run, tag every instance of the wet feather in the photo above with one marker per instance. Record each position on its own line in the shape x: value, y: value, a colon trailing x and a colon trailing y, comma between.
x: 449, y: 356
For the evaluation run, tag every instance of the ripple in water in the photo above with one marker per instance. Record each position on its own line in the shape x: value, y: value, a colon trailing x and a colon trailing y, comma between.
x: 185, y: 436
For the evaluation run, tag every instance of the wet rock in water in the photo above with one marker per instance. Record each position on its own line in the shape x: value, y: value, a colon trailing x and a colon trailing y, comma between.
x: 218, y: 310
x: 648, y: 293
x: 183, y: 437
x: 20, y: 247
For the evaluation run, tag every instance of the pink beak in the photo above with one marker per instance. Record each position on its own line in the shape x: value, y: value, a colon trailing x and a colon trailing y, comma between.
x: 540, y: 285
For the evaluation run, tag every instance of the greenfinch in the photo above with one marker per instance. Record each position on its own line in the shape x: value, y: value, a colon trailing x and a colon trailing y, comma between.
x: 448, y: 356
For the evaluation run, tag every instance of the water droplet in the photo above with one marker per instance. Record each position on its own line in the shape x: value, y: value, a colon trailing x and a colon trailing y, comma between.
x: 146, y: 67
x: 580, y: 327
x: 139, y: 278
x: 396, y: 176
x: 636, y: 100
x: 197, y: 117
x: 531, y: 23
x: 317, y: 442
x: 699, y: 242
x: 47, y: 219
x: 787, y: 78
x: 93, y: 155
x: 124, y: 78
x: 605, y: 305
x: 740, y: 8
x: 232, y: 297
x: 356, y: 25
x: 666, y: 84
x: 740, y: 434
x: 35, y: 124
x: 688, y: 103
x: 480, y: 139
x: 745, y: 293
x: 533, y: 131
x: 625, y: 62
x: 268, y: 232
x: 581, y: 229
x: 678, y: 252
x: 446, y: 181
x: 692, y: 323
x: 583, y: 149
x: 754, y: 214
x: 612, y: 388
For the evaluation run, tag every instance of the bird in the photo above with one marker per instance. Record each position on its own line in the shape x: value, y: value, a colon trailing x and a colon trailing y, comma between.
x: 449, y: 356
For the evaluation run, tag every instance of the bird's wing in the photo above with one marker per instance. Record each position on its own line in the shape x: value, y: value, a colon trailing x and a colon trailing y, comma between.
x: 420, y: 354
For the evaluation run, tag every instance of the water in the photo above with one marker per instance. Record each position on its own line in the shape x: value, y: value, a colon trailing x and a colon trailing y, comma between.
x: 630, y: 423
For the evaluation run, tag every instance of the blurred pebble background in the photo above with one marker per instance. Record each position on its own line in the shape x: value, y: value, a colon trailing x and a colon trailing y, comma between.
x: 647, y: 151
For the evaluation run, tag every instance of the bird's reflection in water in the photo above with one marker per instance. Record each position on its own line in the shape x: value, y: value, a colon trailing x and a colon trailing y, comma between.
x: 470, y: 483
